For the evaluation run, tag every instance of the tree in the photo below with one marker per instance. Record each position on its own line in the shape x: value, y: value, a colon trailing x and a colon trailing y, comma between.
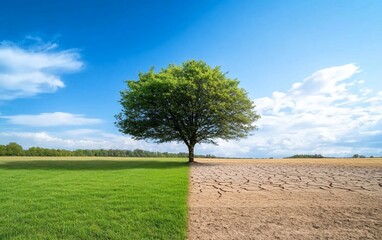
x: 3, y: 150
x: 191, y: 103
x: 14, y: 149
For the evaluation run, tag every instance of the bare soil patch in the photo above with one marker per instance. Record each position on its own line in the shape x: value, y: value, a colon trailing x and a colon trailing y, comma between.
x: 286, y: 199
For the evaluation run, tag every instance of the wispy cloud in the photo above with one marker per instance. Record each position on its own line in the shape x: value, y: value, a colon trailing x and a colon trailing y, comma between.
x: 85, y: 139
x: 51, y: 119
x: 320, y: 114
x: 28, y: 71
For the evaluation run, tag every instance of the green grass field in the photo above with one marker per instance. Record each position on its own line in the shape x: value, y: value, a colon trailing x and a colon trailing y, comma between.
x: 93, y: 198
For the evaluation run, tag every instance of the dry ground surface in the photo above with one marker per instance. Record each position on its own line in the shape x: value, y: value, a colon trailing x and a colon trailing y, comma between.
x: 286, y: 199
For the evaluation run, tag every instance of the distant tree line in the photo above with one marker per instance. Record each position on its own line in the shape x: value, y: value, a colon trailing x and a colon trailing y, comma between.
x: 320, y: 156
x: 360, y: 156
x: 306, y: 156
x: 14, y: 149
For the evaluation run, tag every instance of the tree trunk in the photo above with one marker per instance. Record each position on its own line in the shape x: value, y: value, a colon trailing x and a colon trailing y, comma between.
x: 191, y: 153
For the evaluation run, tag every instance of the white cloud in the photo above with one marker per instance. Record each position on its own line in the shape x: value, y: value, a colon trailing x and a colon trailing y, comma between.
x: 26, y: 72
x: 82, y: 131
x: 51, y: 119
x: 318, y: 115
x: 85, y: 139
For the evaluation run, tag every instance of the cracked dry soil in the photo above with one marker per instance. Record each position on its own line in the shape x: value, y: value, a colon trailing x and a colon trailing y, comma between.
x: 286, y: 199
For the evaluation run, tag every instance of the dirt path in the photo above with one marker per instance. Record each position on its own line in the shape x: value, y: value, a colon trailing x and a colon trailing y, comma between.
x: 235, y: 199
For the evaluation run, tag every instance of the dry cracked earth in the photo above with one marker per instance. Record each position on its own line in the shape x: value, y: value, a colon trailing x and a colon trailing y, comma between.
x: 286, y: 199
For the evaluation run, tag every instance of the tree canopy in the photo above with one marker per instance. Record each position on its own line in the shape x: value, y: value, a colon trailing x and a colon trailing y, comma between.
x: 190, y: 103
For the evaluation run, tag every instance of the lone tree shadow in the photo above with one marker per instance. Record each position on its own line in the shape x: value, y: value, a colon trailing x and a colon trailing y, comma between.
x: 89, y: 165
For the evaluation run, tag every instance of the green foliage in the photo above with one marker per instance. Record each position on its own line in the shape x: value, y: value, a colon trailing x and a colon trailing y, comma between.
x: 3, y: 150
x: 307, y: 156
x: 358, y: 156
x: 192, y: 103
x: 13, y: 149
x: 47, y: 152
x: 59, y: 198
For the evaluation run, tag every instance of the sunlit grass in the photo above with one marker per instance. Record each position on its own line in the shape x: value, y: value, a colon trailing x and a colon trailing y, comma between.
x: 93, y: 198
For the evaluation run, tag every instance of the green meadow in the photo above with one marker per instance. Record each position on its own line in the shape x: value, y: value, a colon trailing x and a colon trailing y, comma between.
x: 93, y: 198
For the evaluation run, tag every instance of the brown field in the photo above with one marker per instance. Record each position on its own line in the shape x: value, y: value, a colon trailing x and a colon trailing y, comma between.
x: 286, y: 199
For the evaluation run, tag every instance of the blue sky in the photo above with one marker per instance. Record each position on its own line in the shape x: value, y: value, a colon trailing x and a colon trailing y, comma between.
x: 313, y: 68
